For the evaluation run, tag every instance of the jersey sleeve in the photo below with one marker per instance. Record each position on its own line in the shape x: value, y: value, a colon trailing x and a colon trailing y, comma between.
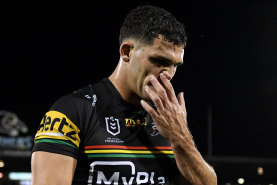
x: 59, y: 129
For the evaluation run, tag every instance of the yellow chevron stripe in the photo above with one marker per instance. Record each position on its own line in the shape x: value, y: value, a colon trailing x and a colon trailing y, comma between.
x: 51, y: 137
x: 129, y: 151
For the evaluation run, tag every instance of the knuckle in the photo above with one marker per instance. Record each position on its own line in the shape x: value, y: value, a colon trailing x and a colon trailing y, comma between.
x: 151, y: 112
x: 162, y: 110
x: 156, y: 99
x: 162, y: 92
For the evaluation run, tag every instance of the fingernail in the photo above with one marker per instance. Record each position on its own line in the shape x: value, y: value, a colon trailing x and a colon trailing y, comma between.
x: 162, y: 75
x: 146, y: 88
x: 152, y: 77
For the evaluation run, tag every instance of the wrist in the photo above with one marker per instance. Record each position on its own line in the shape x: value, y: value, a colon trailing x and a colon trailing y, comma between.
x: 183, y: 143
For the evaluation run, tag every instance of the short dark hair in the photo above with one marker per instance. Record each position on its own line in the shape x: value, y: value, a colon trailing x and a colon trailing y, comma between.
x: 146, y: 22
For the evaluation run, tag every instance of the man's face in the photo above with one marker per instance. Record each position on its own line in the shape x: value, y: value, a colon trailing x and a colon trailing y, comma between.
x: 146, y: 60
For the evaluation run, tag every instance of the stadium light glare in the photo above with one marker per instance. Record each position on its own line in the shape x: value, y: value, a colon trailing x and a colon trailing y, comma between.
x: 20, y: 176
x: 260, y: 171
x: 241, y: 180
x: 2, y: 164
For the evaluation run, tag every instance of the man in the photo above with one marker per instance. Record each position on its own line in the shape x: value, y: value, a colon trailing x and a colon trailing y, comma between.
x: 129, y: 128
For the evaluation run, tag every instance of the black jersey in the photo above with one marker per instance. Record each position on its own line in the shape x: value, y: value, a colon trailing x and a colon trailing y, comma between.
x: 113, y: 141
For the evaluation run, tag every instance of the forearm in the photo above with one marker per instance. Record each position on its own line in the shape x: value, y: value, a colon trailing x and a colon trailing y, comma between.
x: 52, y: 169
x: 192, y: 166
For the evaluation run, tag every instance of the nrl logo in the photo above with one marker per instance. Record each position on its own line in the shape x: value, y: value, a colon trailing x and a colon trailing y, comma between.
x: 112, y: 125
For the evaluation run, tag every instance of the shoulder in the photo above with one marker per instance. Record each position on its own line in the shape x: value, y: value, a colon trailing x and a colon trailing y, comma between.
x: 74, y: 105
x: 84, y: 101
x: 75, y: 100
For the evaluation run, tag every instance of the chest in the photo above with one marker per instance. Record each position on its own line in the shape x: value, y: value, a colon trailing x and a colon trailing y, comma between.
x: 122, y: 147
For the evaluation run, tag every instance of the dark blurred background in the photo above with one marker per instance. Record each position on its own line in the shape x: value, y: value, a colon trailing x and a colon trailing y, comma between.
x: 229, y: 76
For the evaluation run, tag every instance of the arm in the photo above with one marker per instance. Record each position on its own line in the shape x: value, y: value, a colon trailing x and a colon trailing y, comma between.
x: 52, y: 169
x: 170, y: 120
x: 193, y: 168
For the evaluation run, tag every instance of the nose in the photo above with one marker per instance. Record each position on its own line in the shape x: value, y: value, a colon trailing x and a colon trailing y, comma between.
x: 169, y: 72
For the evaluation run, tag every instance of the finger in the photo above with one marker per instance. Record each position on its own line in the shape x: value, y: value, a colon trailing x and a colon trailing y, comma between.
x: 149, y: 109
x: 181, y: 100
x: 169, y: 88
x: 159, y: 88
x: 154, y: 97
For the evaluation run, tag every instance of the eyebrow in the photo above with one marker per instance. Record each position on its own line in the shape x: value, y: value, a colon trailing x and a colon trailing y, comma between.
x: 165, y: 60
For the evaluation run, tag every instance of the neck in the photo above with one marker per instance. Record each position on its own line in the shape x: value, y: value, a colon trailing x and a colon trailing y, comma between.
x: 119, y: 80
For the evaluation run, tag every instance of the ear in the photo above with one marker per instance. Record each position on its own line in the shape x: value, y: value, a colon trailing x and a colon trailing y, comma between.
x: 125, y: 50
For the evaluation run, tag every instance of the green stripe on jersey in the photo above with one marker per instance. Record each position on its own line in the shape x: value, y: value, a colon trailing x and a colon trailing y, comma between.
x: 54, y: 141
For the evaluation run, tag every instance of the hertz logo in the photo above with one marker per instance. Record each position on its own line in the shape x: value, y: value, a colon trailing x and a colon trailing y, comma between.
x: 56, y: 125
x: 134, y: 123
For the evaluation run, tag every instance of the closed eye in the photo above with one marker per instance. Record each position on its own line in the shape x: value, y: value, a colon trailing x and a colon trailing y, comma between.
x: 160, y: 61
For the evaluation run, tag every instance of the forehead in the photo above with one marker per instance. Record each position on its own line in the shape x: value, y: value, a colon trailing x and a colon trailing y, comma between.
x: 166, y: 49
